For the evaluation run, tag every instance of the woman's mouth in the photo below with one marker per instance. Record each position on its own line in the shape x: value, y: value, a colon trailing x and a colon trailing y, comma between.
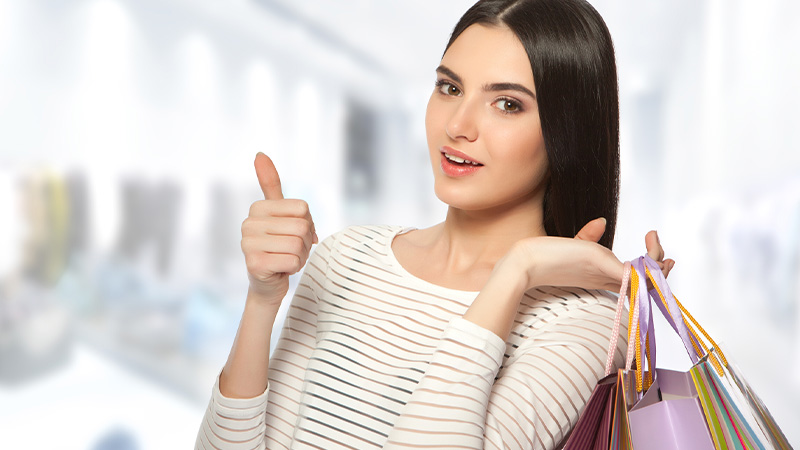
x: 457, y: 166
x: 457, y: 160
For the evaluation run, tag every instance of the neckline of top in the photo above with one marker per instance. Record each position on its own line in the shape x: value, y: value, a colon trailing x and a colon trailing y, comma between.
x: 406, y: 274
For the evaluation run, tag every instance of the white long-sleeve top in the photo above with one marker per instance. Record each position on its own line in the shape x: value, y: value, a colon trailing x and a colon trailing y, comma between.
x: 372, y: 357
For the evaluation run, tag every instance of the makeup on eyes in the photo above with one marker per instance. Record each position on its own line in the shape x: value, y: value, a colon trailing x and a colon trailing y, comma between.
x: 444, y: 87
x: 488, y: 87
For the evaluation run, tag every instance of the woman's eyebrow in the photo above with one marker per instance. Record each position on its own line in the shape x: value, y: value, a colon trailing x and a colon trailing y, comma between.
x: 444, y: 70
x: 449, y: 73
x: 508, y: 87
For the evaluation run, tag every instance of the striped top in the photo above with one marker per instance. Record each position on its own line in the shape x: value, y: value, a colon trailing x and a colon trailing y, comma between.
x: 373, y: 357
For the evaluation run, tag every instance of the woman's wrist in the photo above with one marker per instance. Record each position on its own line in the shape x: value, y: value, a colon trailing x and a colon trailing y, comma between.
x: 520, y: 265
x: 264, y: 300
x: 246, y: 371
x: 496, y: 305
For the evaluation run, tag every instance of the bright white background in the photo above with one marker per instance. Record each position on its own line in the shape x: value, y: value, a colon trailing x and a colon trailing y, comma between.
x: 128, y: 130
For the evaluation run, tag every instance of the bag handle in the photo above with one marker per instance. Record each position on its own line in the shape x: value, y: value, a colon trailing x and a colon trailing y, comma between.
x: 646, y: 340
x: 633, y: 325
x: 662, y: 292
x: 668, y: 307
x: 640, y: 317
x: 626, y: 275
x: 634, y: 331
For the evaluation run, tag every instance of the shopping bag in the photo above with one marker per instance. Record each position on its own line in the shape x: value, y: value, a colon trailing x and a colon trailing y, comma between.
x: 603, y: 423
x: 734, y: 416
x: 624, y: 396
x: 748, y: 400
x: 708, y: 407
x: 594, y: 424
x: 669, y: 415
x: 728, y: 426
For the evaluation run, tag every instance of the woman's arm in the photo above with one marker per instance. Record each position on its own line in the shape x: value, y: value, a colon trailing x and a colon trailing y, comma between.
x: 541, y: 261
x: 276, y: 241
x: 551, y: 261
x: 266, y: 420
x: 458, y: 403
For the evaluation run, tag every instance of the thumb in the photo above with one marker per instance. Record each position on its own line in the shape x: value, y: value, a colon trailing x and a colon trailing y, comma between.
x: 593, y: 230
x: 653, y: 245
x: 268, y: 177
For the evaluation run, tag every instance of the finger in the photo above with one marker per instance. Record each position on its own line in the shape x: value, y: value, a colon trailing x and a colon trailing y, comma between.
x: 653, y: 246
x: 279, y: 226
x: 284, y: 208
x: 290, y: 245
x: 276, y: 262
x: 268, y: 177
x: 668, y: 265
x: 289, y: 264
x: 593, y: 230
x: 281, y: 208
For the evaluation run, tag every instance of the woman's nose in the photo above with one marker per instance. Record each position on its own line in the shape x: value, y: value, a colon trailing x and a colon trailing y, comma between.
x: 463, y: 124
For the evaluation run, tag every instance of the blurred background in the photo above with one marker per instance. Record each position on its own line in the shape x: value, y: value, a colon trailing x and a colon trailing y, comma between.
x: 128, y: 130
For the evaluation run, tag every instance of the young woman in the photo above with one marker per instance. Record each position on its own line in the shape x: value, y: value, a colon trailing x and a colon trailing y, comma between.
x: 488, y: 330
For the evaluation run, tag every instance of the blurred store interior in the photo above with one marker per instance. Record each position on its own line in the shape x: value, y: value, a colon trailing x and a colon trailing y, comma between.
x: 128, y: 130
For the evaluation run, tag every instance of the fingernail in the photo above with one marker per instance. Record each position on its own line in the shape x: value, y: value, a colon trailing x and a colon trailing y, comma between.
x: 315, y: 239
x: 657, y: 239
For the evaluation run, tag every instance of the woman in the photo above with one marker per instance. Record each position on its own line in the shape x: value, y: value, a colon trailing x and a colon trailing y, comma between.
x: 452, y: 336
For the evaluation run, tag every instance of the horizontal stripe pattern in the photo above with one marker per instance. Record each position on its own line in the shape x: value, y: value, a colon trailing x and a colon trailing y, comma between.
x: 372, y: 357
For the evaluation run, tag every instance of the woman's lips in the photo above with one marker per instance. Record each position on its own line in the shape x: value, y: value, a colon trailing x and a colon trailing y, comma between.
x: 453, y: 152
x: 453, y: 169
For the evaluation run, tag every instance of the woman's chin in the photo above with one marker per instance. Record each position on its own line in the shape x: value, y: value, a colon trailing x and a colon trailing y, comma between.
x: 477, y: 200
x: 459, y: 200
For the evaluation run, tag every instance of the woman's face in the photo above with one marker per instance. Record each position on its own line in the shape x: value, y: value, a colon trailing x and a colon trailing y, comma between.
x: 484, y: 110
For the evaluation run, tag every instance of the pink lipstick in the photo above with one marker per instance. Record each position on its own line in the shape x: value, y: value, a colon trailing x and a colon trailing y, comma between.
x: 457, y: 164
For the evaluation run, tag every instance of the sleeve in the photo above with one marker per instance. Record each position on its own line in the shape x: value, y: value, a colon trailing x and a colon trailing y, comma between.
x: 268, y: 420
x: 458, y: 404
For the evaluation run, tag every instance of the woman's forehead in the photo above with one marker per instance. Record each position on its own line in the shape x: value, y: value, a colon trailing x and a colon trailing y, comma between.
x: 489, y: 54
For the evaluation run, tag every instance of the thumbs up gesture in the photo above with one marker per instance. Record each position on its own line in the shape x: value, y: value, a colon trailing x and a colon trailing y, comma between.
x: 276, y: 236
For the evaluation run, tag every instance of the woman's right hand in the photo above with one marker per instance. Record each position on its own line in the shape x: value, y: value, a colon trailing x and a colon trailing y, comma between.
x: 276, y: 237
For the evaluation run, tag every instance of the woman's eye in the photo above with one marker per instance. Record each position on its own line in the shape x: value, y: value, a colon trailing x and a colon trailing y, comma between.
x: 508, y: 105
x: 448, y: 88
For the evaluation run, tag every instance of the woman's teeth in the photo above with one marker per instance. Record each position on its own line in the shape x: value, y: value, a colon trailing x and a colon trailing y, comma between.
x: 458, y: 160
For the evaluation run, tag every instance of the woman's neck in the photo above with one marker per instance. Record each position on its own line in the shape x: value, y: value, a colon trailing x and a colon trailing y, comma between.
x: 488, y: 235
x: 461, y: 252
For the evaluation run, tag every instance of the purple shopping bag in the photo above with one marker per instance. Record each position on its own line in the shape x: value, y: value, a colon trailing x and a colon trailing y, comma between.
x: 669, y: 415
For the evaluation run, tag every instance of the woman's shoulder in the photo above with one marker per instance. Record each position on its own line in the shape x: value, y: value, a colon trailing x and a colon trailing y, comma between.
x: 374, y: 240
x: 564, y: 315
x: 356, y: 234
x: 559, y: 302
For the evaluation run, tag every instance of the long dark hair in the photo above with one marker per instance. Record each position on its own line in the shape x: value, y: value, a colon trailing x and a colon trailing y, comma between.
x: 575, y: 73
